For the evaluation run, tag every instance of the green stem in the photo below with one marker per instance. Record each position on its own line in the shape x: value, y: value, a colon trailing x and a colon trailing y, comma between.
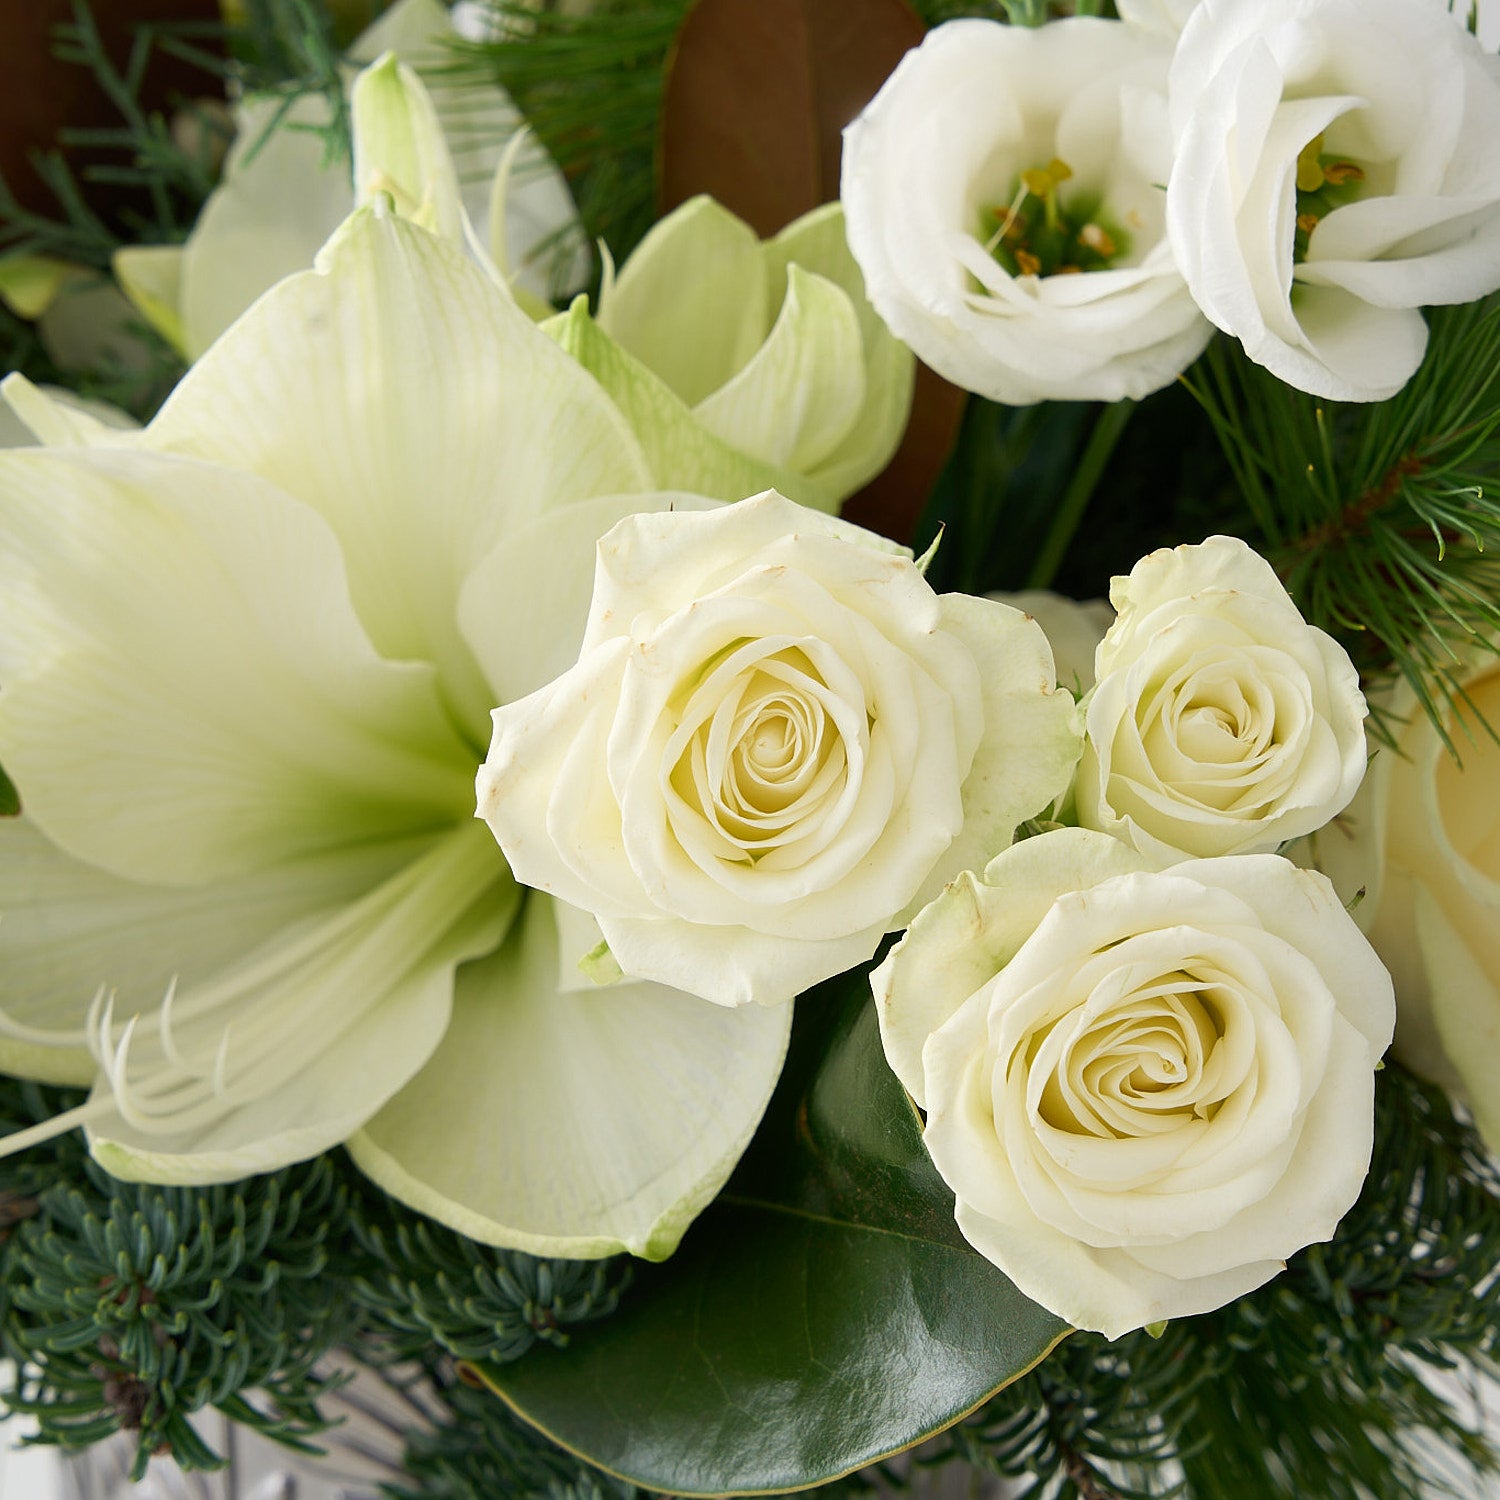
x: 1076, y: 497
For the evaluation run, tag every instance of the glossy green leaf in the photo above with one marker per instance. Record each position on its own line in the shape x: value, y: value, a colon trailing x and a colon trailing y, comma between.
x: 823, y: 1313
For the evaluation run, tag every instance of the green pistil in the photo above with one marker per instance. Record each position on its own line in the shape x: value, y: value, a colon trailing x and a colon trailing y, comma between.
x: 1324, y: 182
x: 1037, y: 234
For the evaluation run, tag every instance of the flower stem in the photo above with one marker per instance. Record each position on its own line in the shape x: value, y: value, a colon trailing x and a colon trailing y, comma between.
x: 1076, y: 497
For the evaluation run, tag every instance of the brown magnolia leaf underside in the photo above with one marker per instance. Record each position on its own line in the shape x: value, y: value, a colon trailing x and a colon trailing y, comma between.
x: 758, y: 93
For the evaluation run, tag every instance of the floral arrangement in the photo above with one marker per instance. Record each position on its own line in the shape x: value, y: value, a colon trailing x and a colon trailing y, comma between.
x: 580, y: 834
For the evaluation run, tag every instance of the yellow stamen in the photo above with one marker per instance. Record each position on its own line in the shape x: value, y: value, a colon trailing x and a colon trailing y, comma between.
x: 1340, y: 172
x: 1309, y: 168
x: 1029, y: 264
x: 1307, y: 222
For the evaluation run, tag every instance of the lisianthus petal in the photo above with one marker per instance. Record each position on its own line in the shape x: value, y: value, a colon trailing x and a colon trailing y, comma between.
x: 366, y: 389
x: 609, y: 1118
x: 69, y: 932
x: 523, y: 608
x: 798, y: 397
x: 692, y: 302
x: 286, y: 1051
x: 163, y: 750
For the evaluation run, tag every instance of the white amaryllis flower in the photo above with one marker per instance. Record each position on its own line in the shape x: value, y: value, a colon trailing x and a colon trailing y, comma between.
x: 768, y: 348
x: 777, y: 741
x: 248, y: 658
x: 1004, y: 201
x: 1335, y: 171
x: 1145, y: 1089
x: 281, y: 197
x: 1221, y: 722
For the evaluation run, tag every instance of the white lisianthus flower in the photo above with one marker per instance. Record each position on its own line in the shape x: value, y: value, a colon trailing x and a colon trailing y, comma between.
x: 1335, y: 171
x: 281, y: 197
x: 1220, y: 722
x: 1424, y: 842
x: 768, y: 348
x: 1146, y: 1089
x: 1004, y: 199
x: 776, y: 743
x: 249, y: 655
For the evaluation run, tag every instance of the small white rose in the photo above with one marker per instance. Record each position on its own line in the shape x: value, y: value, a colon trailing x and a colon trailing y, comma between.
x: 1221, y: 722
x: 1146, y: 1089
x: 776, y: 743
x: 1335, y: 171
x: 1431, y: 828
x: 1004, y: 199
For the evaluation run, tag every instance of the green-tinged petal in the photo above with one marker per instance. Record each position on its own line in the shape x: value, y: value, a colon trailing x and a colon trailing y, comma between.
x: 30, y: 283
x: 369, y: 389
x: 188, y: 694
x: 279, y: 200
x: 692, y: 303
x: 574, y: 1124
x: 817, y: 242
x: 69, y: 931
x: 151, y: 276
x: 797, y: 398
x: 524, y: 608
x: 399, y: 149
x: 682, y: 453
x: 59, y: 418
x: 287, y: 1052
x: 1032, y: 741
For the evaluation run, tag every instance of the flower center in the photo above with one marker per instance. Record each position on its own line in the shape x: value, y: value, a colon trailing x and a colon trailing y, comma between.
x: 1037, y: 234
x: 1325, y: 181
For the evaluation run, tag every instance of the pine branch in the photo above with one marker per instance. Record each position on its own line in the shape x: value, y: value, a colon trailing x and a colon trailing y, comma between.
x: 1383, y: 520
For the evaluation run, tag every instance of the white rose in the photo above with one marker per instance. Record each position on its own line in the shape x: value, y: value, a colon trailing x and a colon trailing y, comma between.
x: 1335, y: 171
x: 777, y: 742
x: 1221, y: 722
x: 1145, y: 1089
x: 970, y: 266
x: 1430, y: 831
x: 1073, y: 629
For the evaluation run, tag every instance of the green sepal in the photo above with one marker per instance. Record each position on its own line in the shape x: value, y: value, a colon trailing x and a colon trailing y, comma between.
x: 823, y: 1313
x: 683, y: 454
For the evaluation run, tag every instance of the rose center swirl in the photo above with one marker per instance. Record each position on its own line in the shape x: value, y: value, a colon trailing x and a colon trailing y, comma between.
x: 1138, y: 1065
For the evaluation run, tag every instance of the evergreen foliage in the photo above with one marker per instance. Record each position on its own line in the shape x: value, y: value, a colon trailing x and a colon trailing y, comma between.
x: 1383, y: 519
x: 425, y: 1285
x: 131, y: 1306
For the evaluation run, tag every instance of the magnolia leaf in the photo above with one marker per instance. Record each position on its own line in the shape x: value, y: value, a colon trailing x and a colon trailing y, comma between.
x: 758, y: 93
x: 823, y: 1313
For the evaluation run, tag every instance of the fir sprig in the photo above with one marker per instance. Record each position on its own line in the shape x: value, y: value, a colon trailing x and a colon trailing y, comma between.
x: 426, y: 1285
x: 132, y: 1306
x: 1382, y: 519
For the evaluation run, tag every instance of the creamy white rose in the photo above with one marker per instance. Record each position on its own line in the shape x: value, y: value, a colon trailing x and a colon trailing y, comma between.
x: 1426, y: 843
x: 1146, y: 1089
x: 1221, y: 722
x: 1003, y: 194
x: 1335, y: 171
x: 777, y: 741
